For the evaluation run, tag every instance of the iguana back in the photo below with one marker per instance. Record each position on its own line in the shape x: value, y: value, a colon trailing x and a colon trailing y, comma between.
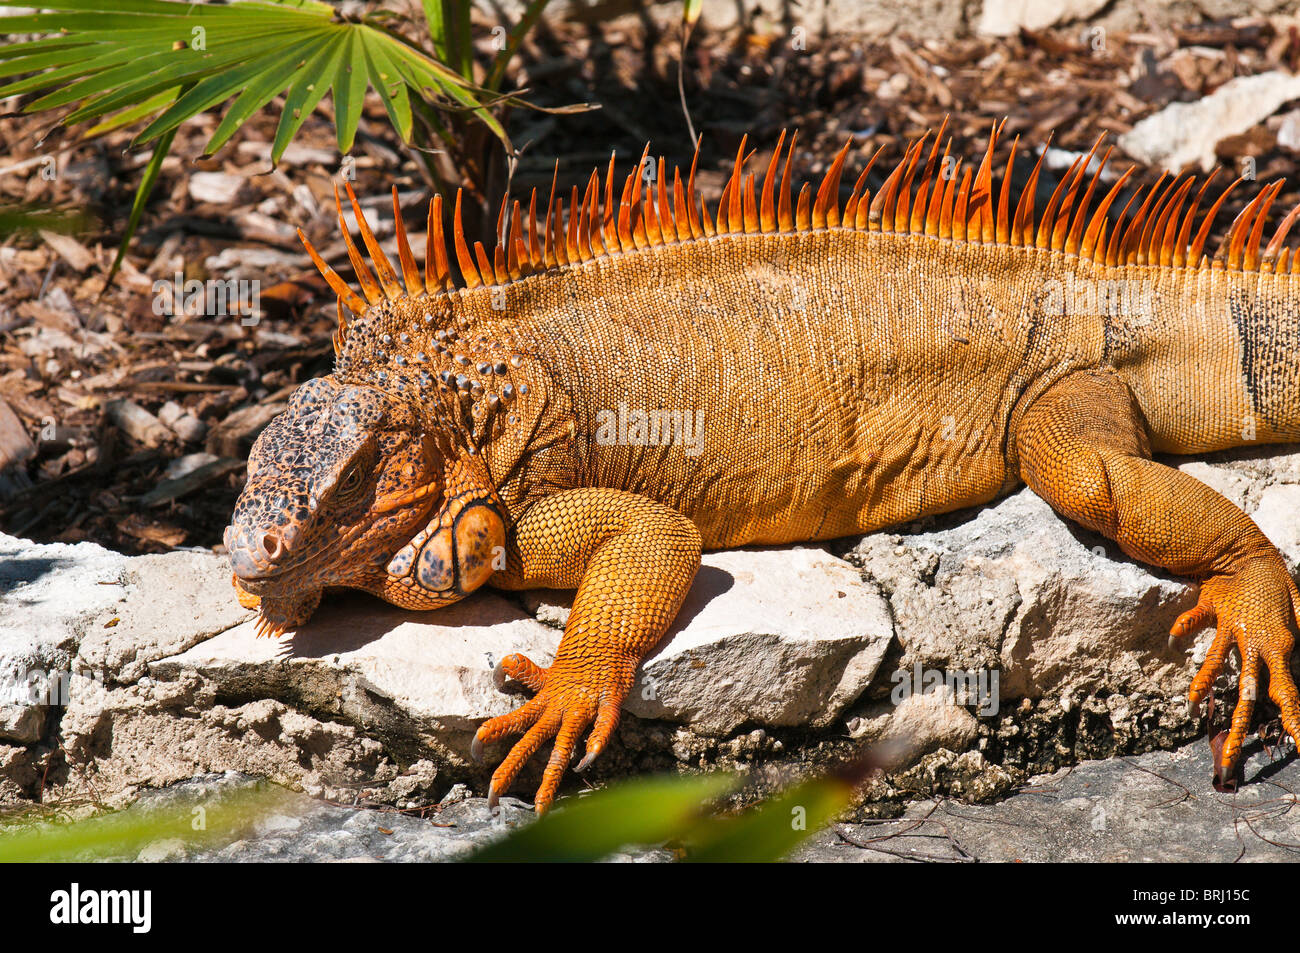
x: 794, y: 387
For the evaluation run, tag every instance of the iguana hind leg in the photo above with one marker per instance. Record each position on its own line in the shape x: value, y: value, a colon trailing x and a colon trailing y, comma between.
x: 1083, y: 447
x: 632, y: 561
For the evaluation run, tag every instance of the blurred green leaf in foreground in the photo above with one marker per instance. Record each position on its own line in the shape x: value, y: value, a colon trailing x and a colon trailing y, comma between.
x: 682, y: 813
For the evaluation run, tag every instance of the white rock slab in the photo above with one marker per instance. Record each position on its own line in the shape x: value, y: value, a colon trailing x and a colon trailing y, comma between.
x: 1008, y: 17
x: 1183, y: 133
x: 771, y: 637
x: 434, y: 667
x: 49, y: 596
x: 169, y: 601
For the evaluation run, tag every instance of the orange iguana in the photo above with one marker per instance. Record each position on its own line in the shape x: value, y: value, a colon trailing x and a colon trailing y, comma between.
x: 852, y: 365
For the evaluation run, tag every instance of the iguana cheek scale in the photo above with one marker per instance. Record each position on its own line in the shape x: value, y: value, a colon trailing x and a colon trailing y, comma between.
x: 625, y: 380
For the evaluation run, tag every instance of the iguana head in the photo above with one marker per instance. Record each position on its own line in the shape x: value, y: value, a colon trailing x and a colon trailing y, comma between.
x: 349, y: 487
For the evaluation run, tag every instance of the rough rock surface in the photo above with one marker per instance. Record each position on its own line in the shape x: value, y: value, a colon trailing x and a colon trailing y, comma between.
x: 774, y: 637
x: 785, y: 658
x: 1009, y: 17
x: 1153, y: 807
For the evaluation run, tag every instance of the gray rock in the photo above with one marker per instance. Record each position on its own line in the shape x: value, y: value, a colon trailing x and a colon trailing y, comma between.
x: 24, y: 724
x: 1009, y: 17
x: 1017, y: 590
x: 260, y: 823
x: 1154, y: 807
x: 1183, y: 133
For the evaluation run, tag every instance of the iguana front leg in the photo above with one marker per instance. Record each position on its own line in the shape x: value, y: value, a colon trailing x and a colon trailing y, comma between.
x: 1083, y: 447
x: 632, y: 561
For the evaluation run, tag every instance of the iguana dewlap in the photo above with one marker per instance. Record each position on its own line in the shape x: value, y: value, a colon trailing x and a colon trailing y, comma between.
x: 612, y: 389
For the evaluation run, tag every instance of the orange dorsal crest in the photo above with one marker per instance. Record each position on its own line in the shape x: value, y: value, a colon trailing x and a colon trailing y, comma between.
x: 925, y: 194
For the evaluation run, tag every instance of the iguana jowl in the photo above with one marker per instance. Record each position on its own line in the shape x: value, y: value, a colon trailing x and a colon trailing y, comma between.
x: 853, y: 366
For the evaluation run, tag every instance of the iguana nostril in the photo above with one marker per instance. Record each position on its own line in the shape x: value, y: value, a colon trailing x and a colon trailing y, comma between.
x: 273, y: 546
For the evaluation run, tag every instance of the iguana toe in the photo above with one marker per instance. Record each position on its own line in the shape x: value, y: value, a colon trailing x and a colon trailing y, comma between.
x: 521, y: 669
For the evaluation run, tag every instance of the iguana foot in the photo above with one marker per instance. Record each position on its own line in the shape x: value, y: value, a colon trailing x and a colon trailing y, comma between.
x: 1256, y: 606
x: 572, y: 695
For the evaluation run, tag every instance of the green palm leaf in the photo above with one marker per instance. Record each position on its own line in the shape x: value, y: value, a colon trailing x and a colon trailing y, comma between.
x: 115, y: 63
x: 106, y: 56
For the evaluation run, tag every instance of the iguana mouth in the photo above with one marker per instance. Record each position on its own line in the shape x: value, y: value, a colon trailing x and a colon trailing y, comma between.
x: 256, y: 581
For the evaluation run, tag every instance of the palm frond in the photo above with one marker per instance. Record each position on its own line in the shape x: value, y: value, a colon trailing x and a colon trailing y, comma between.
x: 130, y: 59
x: 109, y: 64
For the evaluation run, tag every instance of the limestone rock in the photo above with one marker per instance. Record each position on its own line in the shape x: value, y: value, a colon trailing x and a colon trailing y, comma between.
x: 1009, y: 17
x: 164, y: 677
x: 49, y: 597
x: 1183, y: 133
x: 371, y: 662
x: 171, y: 602
x: 917, y: 725
x: 160, y: 678
x: 774, y: 637
x: 1055, y: 610
x: 22, y: 723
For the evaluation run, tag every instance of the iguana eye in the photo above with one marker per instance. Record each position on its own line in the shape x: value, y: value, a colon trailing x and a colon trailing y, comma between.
x: 349, y: 486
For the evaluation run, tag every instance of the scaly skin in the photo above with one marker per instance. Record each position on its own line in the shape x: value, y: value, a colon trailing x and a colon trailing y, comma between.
x: 842, y: 369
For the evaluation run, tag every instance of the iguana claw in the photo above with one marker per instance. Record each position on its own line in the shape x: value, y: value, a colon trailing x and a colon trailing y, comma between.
x: 1256, y: 607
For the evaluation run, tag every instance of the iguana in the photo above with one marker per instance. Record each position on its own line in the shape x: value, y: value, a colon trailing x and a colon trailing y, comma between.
x: 852, y: 364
